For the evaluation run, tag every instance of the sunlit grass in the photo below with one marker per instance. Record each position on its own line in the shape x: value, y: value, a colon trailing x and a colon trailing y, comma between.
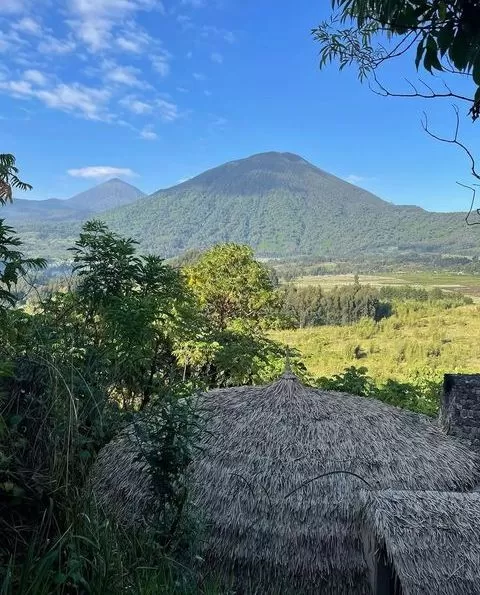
x: 420, y: 340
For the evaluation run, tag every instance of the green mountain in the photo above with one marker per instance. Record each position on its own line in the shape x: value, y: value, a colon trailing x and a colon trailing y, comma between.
x: 108, y: 195
x: 279, y: 204
x: 284, y: 206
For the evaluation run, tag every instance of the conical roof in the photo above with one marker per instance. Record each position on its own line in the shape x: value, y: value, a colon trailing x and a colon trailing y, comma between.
x: 272, y: 522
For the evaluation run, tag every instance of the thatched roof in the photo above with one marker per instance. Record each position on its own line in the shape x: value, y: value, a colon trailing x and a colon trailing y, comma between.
x: 270, y: 522
x: 431, y: 538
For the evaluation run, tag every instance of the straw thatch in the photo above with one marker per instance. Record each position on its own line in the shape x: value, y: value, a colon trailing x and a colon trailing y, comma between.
x: 270, y: 522
x: 431, y: 538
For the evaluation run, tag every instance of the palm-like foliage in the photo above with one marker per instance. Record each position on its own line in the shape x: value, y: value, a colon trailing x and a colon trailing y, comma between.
x: 9, y: 178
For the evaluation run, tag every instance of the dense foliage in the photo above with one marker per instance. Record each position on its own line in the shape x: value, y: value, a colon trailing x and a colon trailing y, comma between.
x: 423, y: 397
x: 310, y: 306
x: 445, y: 35
x: 126, y: 338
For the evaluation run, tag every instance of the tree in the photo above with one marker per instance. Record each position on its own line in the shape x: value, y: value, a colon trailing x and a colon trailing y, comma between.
x: 13, y: 264
x: 9, y: 178
x: 231, y: 286
x: 440, y: 35
x: 135, y: 308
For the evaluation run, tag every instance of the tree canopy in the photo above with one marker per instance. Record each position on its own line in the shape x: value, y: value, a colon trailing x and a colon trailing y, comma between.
x: 440, y: 36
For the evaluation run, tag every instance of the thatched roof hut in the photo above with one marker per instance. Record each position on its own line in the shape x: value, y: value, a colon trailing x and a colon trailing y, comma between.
x: 428, y: 542
x: 272, y: 522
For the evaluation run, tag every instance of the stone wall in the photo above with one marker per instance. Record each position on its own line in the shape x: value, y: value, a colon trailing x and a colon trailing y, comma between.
x: 460, y: 408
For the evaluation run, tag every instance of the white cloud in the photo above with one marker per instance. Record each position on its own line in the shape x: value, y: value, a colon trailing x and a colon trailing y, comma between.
x: 207, y: 93
x: 136, y: 105
x: 194, y: 3
x: 28, y: 25
x: 148, y: 134
x: 4, y: 43
x: 216, y: 57
x: 51, y: 45
x: 18, y: 87
x: 134, y: 39
x: 36, y: 77
x: 12, y: 6
x: 123, y: 75
x: 93, y: 20
x: 198, y: 76
x: 169, y: 112
x: 161, y: 63
x: 219, y: 122
x: 101, y: 171
x: 212, y: 31
x: 75, y: 98
x: 354, y: 179
x: 129, y: 45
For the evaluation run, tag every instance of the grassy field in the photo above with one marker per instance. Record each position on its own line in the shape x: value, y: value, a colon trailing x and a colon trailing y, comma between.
x: 466, y: 284
x: 420, y: 341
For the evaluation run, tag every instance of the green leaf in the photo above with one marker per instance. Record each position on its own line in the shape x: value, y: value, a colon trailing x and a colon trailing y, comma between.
x: 445, y: 38
x: 442, y: 11
x: 15, y: 419
x: 476, y: 72
x: 84, y: 455
x: 420, y: 50
x: 459, y: 52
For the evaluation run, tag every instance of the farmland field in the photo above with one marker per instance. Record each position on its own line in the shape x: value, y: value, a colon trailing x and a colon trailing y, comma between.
x: 463, y: 283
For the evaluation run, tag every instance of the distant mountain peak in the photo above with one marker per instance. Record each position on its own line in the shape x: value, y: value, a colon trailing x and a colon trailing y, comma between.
x: 106, y: 195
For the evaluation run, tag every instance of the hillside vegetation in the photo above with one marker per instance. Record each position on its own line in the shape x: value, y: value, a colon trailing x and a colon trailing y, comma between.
x: 277, y: 203
x: 420, y: 341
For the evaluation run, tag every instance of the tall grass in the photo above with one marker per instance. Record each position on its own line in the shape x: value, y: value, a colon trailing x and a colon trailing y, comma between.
x: 421, y: 341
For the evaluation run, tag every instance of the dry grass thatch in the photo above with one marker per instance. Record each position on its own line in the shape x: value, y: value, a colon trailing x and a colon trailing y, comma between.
x: 270, y: 522
x: 431, y: 538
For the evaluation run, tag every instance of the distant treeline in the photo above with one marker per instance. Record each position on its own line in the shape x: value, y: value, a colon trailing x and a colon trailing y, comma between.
x: 311, y: 306
x: 289, y: 270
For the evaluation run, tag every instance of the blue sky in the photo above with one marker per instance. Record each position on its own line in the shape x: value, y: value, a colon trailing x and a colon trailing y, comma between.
x: 156, y: 92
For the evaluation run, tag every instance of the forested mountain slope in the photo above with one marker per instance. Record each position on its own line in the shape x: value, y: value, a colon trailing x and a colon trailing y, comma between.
x: 282, y: 205
x: 278, y: 203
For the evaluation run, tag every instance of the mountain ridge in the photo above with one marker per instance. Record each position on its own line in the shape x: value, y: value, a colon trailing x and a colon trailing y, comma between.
x: 282, y: 206
x: 102, y: 197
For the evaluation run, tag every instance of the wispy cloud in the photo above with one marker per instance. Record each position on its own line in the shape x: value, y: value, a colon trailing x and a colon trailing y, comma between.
x: 123, y: 75
x: 216, y: 57
x: 28, y: 25
x: 135, y: 105
x: 90, y: 103
x: 148, y: 134
x: 207, y: 31
x: 161, y: 62
x: 13, y: 6
x: 52, y: 45
x: 101, y: 171
x: 354, y: 179
x: 93, y: 21
x: 36, y: 77
x: 194, y: 3
x: 198, y: 76
x: 168, y: 111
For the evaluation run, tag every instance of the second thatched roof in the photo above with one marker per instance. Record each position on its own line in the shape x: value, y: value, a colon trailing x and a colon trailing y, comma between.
x: 431, y: 538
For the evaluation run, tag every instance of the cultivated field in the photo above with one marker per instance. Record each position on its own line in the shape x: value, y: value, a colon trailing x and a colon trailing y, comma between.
x: 466, y: 284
